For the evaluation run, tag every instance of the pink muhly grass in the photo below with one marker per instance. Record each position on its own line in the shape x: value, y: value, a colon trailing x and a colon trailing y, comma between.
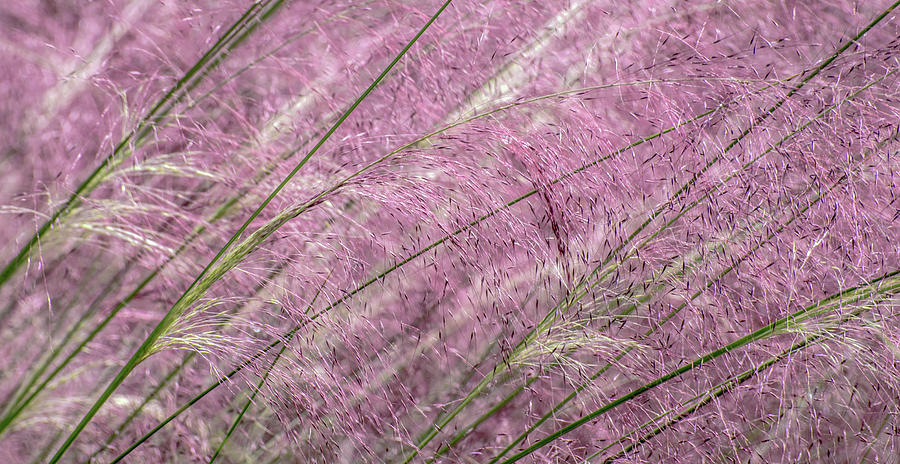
x: 547, y: 232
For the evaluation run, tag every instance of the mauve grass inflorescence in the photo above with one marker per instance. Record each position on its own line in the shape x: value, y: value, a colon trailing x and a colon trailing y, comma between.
x: 450, y: 231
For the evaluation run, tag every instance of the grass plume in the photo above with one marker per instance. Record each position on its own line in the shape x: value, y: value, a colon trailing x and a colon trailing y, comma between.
x: 450, y: 231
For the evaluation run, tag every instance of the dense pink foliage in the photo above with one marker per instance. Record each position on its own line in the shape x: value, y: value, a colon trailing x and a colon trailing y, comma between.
x: 552, y: 241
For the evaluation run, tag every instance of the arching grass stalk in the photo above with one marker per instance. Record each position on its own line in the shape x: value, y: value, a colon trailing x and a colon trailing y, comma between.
x: 232, y: 257
x: 773, y: 423
x: 722, y: 389
x: 633, y: 306
x: 694, y: 404
x: 725, y: 387
x: 233, y: 36
x: 296, y: 211
x: 569, y: 301
x: 233, y: 200
x: 23, y: 403
x: 158, y: 388
x: 108, y: 370
x: 711, y: 282
x: 399, y: 264
x: 224, y: 379
x: 198, y: 231
x: 888, y: 284
x: 423, y: 344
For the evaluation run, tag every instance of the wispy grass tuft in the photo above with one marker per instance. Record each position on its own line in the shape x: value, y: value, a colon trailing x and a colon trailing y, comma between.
x: 450, y: 231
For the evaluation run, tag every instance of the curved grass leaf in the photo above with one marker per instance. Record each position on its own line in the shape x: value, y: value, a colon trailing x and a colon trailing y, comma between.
x: 887, y: 284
